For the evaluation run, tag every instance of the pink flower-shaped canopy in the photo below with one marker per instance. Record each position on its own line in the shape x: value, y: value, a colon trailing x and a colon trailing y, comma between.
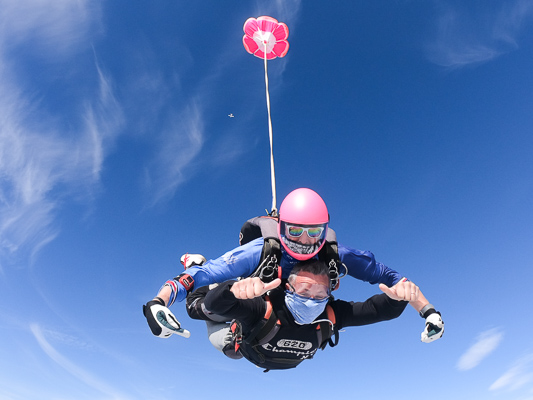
x: 265, y: 31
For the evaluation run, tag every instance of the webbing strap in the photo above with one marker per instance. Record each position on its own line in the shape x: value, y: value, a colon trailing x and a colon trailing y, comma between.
x: 325, y: 330
x: 260, y: 331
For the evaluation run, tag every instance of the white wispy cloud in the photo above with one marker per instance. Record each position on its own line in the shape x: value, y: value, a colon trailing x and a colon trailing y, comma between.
x: 179, y: 144
x: 517, y: 376
x: 27, y: 171
x: 103, y: 119
x: 485, y: 344
x: 45, y: 157
x: 289, y: 9
x: 467, y: 36
x: 58, y: 26
x: 40, y: 163
x: 83, y: 375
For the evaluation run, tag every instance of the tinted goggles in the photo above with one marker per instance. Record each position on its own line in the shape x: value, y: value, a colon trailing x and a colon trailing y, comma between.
x: 314, y: 232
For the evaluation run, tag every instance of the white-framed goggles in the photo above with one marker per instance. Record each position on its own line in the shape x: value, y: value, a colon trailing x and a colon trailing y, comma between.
x: 295, y: 231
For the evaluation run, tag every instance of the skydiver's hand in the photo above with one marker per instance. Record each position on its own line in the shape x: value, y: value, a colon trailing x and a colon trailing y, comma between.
x: 161, y: 321
x: 402, y: 291
x: 252, y: 287
x: 434, y: 328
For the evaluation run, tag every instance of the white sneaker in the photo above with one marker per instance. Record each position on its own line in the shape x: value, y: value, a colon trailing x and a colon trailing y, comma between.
x: 190, y: 260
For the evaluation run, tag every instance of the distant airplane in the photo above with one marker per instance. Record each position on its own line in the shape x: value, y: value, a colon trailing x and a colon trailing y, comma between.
x: 231, y: 115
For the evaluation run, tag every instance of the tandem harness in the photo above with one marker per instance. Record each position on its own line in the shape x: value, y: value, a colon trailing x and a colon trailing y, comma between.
x: 269, y: 269
x: 266, y: 330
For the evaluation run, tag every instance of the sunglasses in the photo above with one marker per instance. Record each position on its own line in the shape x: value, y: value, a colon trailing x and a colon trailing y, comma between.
x: 322, y: 293
x: 313, y: 232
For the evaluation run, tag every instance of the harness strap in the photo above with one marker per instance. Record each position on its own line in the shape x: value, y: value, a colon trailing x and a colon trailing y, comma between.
x: 269, y: 269
x: 333, y: 331
x: 263, y: 331
x: 329, y: 253
x: 325, y: 331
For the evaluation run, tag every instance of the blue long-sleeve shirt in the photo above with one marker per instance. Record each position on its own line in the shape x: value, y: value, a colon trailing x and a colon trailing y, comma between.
x: 243, y: 261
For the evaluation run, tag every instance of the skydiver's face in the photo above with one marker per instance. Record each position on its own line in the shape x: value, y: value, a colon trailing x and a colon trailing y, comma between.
x: 302, y: 241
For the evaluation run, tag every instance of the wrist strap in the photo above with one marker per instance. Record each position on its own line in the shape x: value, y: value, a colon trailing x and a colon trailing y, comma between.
x: 187, y: 281
x: 427, y: 310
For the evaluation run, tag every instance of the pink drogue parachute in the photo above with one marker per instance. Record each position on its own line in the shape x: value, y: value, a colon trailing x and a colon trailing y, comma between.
x: 265, y: 35
x: 266, y: 38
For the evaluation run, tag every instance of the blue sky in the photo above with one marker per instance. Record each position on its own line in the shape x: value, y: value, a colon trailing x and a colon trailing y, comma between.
x: 412, y: 119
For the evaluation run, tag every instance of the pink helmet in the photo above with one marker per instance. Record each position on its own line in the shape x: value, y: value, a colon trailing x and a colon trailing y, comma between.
x: 303, y: 223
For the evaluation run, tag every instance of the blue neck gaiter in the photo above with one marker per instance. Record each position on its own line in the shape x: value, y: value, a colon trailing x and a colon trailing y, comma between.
x: 304, y: 309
